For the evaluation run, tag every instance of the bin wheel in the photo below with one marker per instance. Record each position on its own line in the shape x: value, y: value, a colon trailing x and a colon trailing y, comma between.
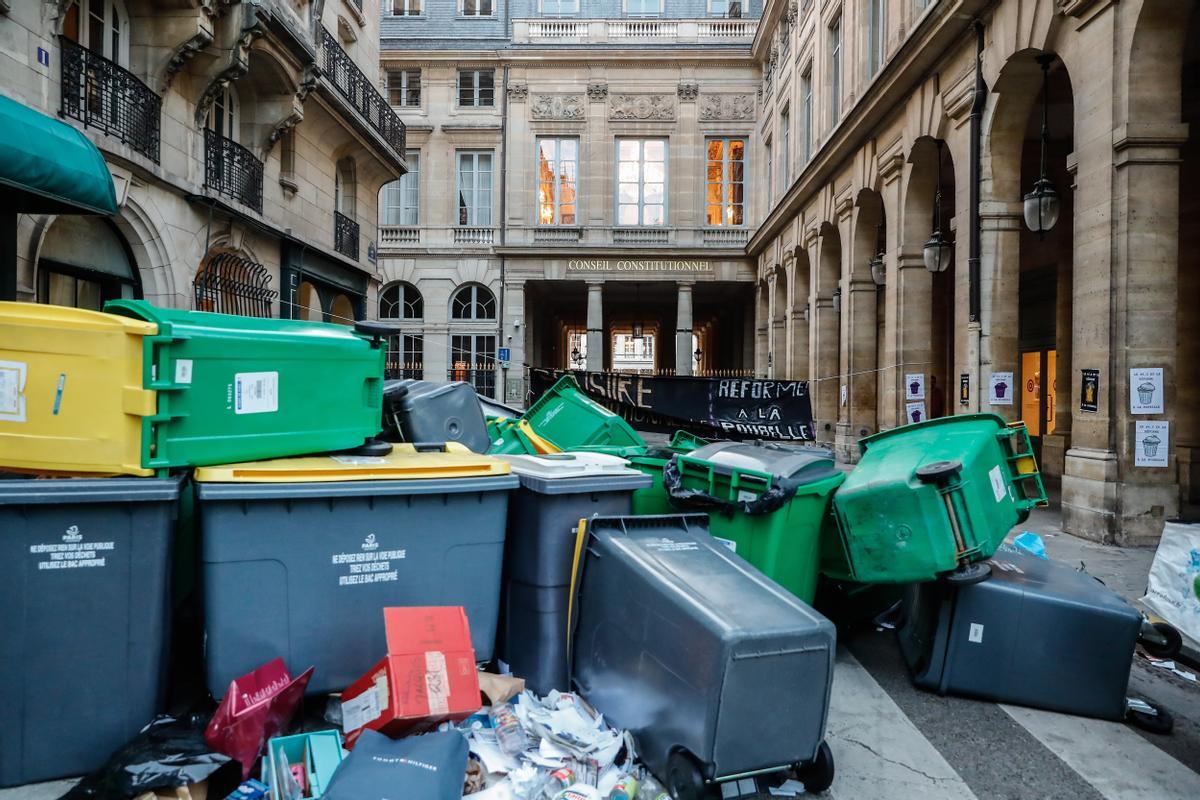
x: 817, y: 775
x: 1170, y: 648
x: 936, y: 471
x: 968, y: 574
x: 1150, y: 717
x: 372, y: 447
x: 684, y: 779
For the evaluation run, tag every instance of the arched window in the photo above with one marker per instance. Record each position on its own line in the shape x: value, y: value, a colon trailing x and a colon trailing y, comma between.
x: 341, y: 311
x: 101, y: 26
x: 345, y: 187
x: 84, y: 262
x: 223, y: 115
x: 309, y: 305
x: 401, y: 300
x: 229, y: 283
x: 473, y: 302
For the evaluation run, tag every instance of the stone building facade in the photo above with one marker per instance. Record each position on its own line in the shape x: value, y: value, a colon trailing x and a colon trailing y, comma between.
x: 247, y: 142
x: 1084, y: 331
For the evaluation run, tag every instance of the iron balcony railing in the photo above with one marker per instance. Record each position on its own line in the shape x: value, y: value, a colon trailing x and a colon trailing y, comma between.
x: 345, y: 235
x: 360, y: 92
x: 110, y: 98
x: 232, y: 170
x: 230, y: 284
x: 481, y: 378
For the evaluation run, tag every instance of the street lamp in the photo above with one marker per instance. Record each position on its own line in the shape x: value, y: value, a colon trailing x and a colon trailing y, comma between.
x: 1041, y: 205
x: 938, y: 250
x: 697, y: 355
x: 805, y: 312
x: 878, y: 268
x: 837, y: 300
x: 576, y: 356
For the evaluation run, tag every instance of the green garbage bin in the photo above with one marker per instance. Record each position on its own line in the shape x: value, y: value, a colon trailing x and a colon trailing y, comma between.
x: 232, y: 388
x: 653, y: 499
x: 929, y: 498
x: 768, y: 502
x: 567, y: 419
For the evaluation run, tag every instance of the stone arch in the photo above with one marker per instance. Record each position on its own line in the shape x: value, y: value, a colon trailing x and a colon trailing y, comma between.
x: 869, y: 232
x: 829, y: 259
x: 801, y: 285
x: 146, y: 231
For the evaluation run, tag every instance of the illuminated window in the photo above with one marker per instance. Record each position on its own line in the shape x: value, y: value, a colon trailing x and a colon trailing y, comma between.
x: 558, y: 172
x: 725, y: 182
x: 641, y: 181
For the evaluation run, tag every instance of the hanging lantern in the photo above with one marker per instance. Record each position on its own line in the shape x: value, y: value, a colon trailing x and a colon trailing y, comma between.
x: 878, y: 269
x: 837, y: 300
x: 638, y: 333
x: 938, y: 252
x: 1041, y: 205
x: 805, y: 312
x: 575, y: 355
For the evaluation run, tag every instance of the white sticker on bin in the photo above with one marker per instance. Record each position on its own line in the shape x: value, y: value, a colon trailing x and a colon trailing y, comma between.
x: 183, y: 371
x: 999, y: 489
x: 255, y: 392
x: 12, y: 391
x: 358, y: 711
x: 730, y: 543
x: 976, y: 633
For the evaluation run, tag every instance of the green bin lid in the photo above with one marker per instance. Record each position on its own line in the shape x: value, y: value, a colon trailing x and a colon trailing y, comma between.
x: 787, y: 464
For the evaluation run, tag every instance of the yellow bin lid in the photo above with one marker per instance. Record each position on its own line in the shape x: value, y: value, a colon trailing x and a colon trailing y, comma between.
x: 72, y: 396
x: 405, y: 462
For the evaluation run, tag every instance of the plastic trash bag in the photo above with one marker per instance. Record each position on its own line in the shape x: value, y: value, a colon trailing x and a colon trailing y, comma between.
x: 1029, y: 542
x: 1174, y: 583
x: 683, y: 499
x: 167, y: 753
x: 255, y: 709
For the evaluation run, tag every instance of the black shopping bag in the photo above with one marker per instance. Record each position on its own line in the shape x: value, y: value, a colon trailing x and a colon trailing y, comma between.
x: 429, y: 767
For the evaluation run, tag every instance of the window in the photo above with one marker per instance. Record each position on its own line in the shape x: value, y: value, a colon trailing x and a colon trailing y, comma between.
x: 101, y: 26
x: 404, y: 87
x: 474, y: 187
x: 406, y: 8
x: 473, y: 302
x: 477, y: 88
x: 725, y: 8
x: 400, y: 203
x: 770, y: 156
x: 560, y: 7
x: 641, y: 181
x: 287, y: 154
x: 558, y: 172
x: 476, y: 8
x: 785, y: 148
x: 223, y: 113
x: 877, y: 35
x: 806, y: 112
x: 725, y: 175
x: 405, y: 356
x: 835, y: 71
x: 401, y: 300
x: 643, y: 7
x: 473, y: 359
x: 345, y: 188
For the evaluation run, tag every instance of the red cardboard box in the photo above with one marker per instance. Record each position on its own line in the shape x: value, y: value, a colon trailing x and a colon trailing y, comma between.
x: 428, y: 676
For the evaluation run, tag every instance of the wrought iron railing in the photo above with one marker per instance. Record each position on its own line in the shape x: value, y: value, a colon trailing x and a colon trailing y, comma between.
x: 345, y: 235
x: 232, y: 170
x: 361, y: 93
x: 230, y: 284
x: 482, y: 379
x: 110, y: 98
x: 395, y: 370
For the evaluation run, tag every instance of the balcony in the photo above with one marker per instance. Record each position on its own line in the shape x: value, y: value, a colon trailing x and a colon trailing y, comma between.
x: 634, y: 31
x: 557, y: 235
x: 359, y: 91
x: 345, y: 235
x: 641, y: 236
x: 399, y: 236
x: 232, y: 170
x: 402, y: 237
x: 474, y: 235
x: 727, y: 237
x: 109, y: 98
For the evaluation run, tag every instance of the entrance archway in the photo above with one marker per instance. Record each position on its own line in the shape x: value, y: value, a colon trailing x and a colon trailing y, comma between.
x: 85, y: 262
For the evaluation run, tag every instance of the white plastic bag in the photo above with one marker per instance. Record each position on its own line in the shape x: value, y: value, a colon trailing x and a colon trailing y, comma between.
x: 1174, y: 585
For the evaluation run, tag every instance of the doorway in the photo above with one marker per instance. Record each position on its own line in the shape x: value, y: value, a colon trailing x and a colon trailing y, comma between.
x: 1039, y: 390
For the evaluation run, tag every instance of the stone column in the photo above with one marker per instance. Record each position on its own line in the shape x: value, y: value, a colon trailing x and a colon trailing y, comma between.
x: 999, y: 288
x: 595, y: 326
x: 914, y: 323
x: 683, y: 330
x: 888, y: 378
x: 859, y: 308
x: 773, y: 338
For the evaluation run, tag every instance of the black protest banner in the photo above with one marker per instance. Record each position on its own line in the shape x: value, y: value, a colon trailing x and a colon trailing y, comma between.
x: 729, y: 408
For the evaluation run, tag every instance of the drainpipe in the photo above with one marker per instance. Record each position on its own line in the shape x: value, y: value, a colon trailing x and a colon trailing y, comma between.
x: 977, y: 105
x: 502, y: 390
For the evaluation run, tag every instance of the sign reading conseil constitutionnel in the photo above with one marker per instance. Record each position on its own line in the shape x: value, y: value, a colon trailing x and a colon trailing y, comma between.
x: 637, y: 265
x: 728, y: 408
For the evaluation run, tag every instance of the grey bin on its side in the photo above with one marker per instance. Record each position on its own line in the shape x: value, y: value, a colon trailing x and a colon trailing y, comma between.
x: 424, y: 411
x: 717, y: 670
x: 84, y: 610
x: 1036, y: 633
x: 279, y: 567
x: 557, y: 491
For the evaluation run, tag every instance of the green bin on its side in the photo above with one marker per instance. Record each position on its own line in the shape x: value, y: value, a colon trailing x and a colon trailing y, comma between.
x: 769, y: 502
x: 927, y: 498
x: 653, y: 499
x: 568, y: 419
x: 234, y: 388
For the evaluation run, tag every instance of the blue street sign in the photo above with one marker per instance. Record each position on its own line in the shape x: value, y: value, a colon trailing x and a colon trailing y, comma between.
x: 504, y: 354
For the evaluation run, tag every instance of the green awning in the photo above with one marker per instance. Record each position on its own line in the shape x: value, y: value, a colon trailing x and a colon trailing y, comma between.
x: 52, y: 166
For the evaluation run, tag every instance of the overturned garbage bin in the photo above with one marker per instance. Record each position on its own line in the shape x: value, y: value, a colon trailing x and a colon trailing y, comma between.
x: 141, y: 389
x: 716, y: 670
x: 567, y: 418
x: 424, y: 411
x: 84, y: 607
x: 767, y: 501
x: 299, y: 555
x: 557, y: 491
x: 653, y: 499
x: 932, y: 498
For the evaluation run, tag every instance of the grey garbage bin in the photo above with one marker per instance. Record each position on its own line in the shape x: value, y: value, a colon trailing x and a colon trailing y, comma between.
x: 716, y: 669
x: 424, y: 411
x: 84, y: 611
x: 557, y: 491
x: 300, y: 555
x: 1036, y: 633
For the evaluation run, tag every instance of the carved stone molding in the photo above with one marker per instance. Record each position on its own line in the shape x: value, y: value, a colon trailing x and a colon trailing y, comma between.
x: 185, y: 52
x: 642, y: 107
x: 517, y: 92
x: 597, y: 92
x: 688, y: 91
x: 714, y: 107
x: 237, y: 66
x: 308, y: 82
x: 793, y: 11
x: 557, y: 106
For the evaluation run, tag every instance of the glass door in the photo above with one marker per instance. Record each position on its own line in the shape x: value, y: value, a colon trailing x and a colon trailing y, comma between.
x: 1038, y: 394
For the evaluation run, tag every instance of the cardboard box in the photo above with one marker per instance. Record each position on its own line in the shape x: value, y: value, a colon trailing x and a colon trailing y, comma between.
x: 428, y: 676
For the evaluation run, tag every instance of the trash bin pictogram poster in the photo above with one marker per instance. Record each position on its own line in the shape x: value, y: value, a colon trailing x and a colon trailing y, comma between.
x: 1151, y: 443
x: 914, y: 386
x: 914, y: 412
x: 1146, y: 391
x: 1000, y: 389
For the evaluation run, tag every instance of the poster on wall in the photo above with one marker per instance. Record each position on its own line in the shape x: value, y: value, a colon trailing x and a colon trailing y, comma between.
x: 914, y: 412
x: 964, y: 389
x: 845, y: 395
x: 1151, y: 443
x: 1089, y: 390
x: 914, y: 386
x: 1146, y: 391
x: 1000, y: 389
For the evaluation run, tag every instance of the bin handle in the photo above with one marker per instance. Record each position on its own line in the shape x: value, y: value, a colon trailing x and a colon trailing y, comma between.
x: 431, y: 447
